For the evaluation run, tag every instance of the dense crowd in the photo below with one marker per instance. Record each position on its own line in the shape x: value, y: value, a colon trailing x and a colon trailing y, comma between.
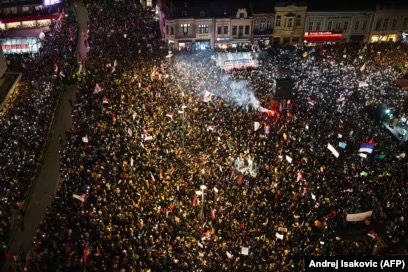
x: 143, y: 143
x: 26, y: 117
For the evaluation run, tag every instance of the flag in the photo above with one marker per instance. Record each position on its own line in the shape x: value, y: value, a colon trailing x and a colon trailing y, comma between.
x: 131, y: 161
x: 244, y: 250
x: 215, y: 190
x: 257, y: 125
x: 372, y: 234
x: 97, y: 89
x: 362, y: 155
x: 130, y: 132
x: 366, y: 147
x: 115, y: 63
x: 229, y: 255
x: 105, y: 100
x: 289, y: 159
x: 267, y: 129
x: 354, y: 217
x: 342, y: 145
x: 362, y: 68
x: 170, y: 115
x: 362, y: 84
x: 85, y: 254
x: 205, y: 235
x: 55, y: 68
x: 195, y: 200
x: 212, y: 214
x: 85, y: 139
x: 333, y: 150
x: 299, y: 176
x: 279, y: 236
x: 311, y: 101
x: 61, y: 73
x: 79, y: 197
x: 207, y: 96
x: 210, y: 128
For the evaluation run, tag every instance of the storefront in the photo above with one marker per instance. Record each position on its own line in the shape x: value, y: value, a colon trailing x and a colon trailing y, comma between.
x: 222, y: 43
x: 29, y: 21
x: 384, y: 38
x: 185, y: 44
x: 202, y: 44
x: 262, y: 40
x: 322, y: 37
x: 240, y: 43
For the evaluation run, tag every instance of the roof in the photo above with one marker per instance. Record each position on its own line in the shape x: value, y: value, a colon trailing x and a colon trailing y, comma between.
x: 344, y: 5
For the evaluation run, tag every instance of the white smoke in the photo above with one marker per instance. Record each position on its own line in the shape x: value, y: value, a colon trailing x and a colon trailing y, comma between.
x: 196, y: 70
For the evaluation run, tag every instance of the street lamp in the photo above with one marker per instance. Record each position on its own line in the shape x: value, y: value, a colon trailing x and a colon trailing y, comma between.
x: 202, y: 187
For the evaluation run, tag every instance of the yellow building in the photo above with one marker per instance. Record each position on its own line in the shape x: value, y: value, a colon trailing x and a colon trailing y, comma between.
x: 289, y: 22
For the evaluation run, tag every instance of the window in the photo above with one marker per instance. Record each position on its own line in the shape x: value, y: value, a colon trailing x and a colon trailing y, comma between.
x: 338, y: 26
x: 356, y: 25
x: 290, y: 22
x: 167, y: 30
x: 278, y: 20
x: 241, y: 15
x: 378, y: 24
x: 202, y: 13
x: 241, y: 30
x: 295, y: 40
x: 263, y: 25
x: 202, y: 29
x: 318, y: 26
x: 225, y: 30
x: 185, y: 28
x: 171, y: 30
x: 184, y: 13
x: 234, y: 30
x: 268, y: 24
x: 298, y: 20
x: 345, y: 25
x: 310, y: 26
x: 247, y: 30
x: 329, y: 25
x: 256, y: 24
x: 219, y: 30
x: 385, y: 25
x: 365, y: 25
x: 394, y: 24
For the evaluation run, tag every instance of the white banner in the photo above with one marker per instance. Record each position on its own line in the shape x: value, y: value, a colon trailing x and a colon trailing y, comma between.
x: 355, y: 217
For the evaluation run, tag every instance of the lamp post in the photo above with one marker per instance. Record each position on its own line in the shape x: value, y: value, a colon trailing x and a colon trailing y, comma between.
x: 201, y: 192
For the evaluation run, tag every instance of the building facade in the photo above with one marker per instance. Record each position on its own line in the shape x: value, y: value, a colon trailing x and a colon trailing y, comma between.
x: 337, y: 26
x: 205, y: 26
x: 390, y: 23
x: 263, y: 22
x: 289, y: 23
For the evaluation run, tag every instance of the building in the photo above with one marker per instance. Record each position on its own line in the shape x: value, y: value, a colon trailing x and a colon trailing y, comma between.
x: 207, y: 25
x: 189, y: 27
x: 390, y: 22
x: 338, y: 22
x: 23, y: 24
x: 289, y: 22
x: 263, y: 22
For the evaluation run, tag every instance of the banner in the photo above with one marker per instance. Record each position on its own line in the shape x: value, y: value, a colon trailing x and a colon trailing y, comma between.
x: 355, y: 217
x: 366, y: 147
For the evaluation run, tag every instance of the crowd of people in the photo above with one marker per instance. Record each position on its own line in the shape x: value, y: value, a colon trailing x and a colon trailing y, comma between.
x: 26, y: 117
x: 144, y: 142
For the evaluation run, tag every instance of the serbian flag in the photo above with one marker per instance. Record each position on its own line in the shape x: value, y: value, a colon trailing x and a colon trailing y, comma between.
x: 205, y: 235
x: 97, y: 89
x: 105, y: 100
x: 367, y: 147
x: 212, y: 214
x: 311, y: 101
x: 195, y: 201
x: 85, y: 254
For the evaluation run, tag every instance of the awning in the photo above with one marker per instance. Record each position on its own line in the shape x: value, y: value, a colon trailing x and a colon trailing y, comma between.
x: 323, y: 37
